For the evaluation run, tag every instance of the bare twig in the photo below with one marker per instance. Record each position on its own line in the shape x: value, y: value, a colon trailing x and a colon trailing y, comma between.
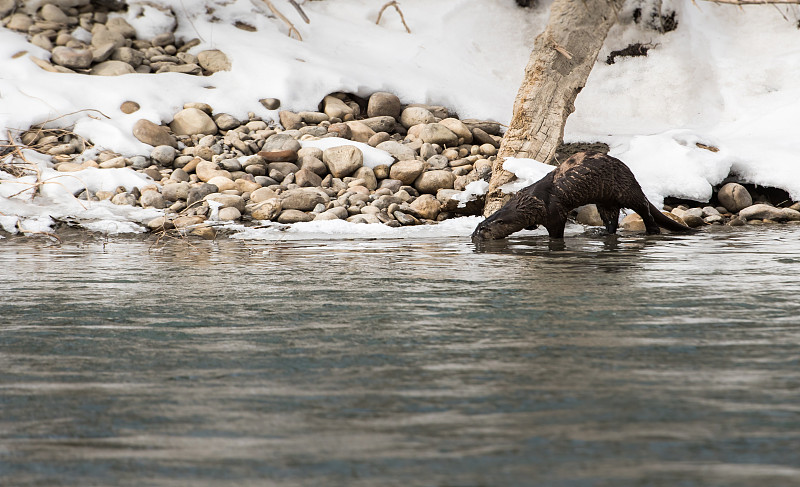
x: 278, y: 14
x: 33, y: 232
x: 36, y: 186
x: 73, y: 113
x: 561, y: 49
x: 300, y: 11
x: 394, y: 4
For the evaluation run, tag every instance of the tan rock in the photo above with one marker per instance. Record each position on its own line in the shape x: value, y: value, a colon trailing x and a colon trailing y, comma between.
x: 224, y: 183
x: 152, y: 134
x: 266, y: 210
x: 193, y: 121
x: 432, y: 181
x: 359, y: 131
x: 426, y: 206
x: 206, y: 170
x: 262, y: 194
x: 406, y: 171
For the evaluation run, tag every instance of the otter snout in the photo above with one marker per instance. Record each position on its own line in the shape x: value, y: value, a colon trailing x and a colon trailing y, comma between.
x: 498, y: 226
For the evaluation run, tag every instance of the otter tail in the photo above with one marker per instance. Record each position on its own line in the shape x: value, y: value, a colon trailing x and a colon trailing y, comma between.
x: 667, y: 222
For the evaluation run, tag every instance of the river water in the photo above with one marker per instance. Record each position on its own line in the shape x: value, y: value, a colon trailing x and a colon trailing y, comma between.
x: 602, y: 361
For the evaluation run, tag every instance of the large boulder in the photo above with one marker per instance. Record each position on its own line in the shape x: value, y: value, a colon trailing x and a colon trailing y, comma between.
x: 734, y: 197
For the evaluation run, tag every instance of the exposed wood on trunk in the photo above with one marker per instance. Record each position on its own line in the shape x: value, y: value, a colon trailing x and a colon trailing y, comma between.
x: 561, y: 60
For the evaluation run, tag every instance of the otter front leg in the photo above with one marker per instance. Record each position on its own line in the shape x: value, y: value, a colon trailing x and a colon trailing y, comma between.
x: 610, y: 217
x: 556, y: 228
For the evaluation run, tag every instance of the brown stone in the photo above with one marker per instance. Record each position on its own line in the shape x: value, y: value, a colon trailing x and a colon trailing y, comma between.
x: 129, y: 107
x: 155, y: 135
x: 279, y: 155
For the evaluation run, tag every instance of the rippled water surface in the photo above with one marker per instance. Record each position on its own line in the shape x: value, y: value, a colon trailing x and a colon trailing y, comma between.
x: 603, y: 361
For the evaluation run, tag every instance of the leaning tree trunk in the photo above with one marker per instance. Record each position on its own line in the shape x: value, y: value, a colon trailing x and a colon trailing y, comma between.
x: 562, y: 57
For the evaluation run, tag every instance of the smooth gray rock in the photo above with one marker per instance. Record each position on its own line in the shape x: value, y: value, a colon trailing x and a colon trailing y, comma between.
x: 380, y: 124
x: 343, y: 161
x: 152, y: 199
x: 480, y: 137
x: 368, y: 176
x: 6, y: 7
x: 436, y: 133
x: 121, y: 26
x: 227, y: 200
x: 155, y: 135
x: 303, y: 199
x: 268, y: 209
x: 430, y: 182
x: 734, y: 197
x: 416, y: 115
x: 226, y: 121
x: 112, y: 68
x: 164, y: 154
x: 72, y: 58
x: 382, y: 103
x: 588, y: 215
x: 400, y: 151
x: 193, y: 121
x: 199, y: 192
x: 213, y: 61
x: 767, y: 212
x: 128, y: 55
x: 294, y: 216
x: 459, y: 128
x: 19, y: 22
x: 101, y: 35
x: 426, y: 206
x: 281, y: 142
x: 407, y: 171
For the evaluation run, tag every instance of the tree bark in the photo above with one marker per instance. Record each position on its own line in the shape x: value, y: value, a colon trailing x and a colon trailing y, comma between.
x: 562, y: 57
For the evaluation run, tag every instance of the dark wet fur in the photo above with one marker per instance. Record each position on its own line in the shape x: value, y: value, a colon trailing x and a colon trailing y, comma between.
x: 586, y: 177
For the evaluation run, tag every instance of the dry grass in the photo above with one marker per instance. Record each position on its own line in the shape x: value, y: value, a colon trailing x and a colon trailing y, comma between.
x: 394, y: 4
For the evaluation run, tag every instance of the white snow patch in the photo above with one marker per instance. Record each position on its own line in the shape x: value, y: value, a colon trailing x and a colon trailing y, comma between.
x: 471, y: 192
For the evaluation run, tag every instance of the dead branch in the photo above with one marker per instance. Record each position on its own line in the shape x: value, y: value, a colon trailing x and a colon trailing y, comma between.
x: 300, y: 11
x: 34, y: 232
x: 394, y: 4
x: 278, y: 14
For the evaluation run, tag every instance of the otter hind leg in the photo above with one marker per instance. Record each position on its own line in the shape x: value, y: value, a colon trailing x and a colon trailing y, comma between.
x: 610, y: 217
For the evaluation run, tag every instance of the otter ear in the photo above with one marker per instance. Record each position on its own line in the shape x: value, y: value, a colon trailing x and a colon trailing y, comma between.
x: 532, y: 227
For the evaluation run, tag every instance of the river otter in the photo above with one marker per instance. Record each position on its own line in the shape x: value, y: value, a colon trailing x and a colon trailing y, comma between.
x: 586, y: 177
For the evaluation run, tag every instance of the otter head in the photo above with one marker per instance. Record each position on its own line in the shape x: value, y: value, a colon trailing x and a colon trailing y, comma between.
x: 522, y: 211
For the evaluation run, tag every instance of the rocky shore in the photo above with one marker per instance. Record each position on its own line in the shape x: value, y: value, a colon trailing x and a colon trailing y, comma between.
x: 364, y: 160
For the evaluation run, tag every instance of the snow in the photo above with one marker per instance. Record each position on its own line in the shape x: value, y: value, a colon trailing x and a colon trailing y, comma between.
x: 726, y: 78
